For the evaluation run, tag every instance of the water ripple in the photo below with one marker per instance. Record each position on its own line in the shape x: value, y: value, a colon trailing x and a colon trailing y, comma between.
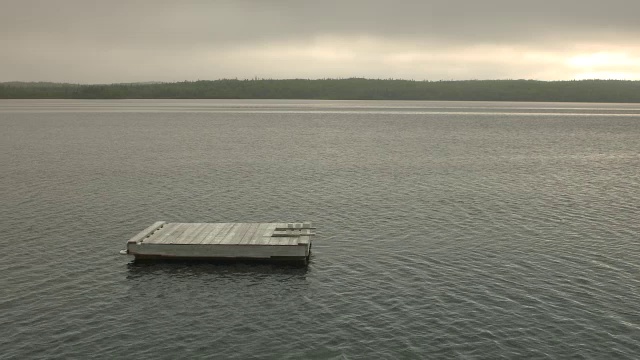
x: 441, y: 235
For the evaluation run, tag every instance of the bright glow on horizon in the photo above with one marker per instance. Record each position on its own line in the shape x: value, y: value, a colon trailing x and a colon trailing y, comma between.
x: 601, y: 59
x: 604, y: 75
x: 385, y: 58
x: 605, y: 65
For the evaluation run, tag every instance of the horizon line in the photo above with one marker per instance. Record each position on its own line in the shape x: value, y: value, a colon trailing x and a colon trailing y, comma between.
x: 153, y: 82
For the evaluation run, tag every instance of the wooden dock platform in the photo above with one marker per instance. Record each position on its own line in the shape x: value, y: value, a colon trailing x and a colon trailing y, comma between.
x: 290, y: 242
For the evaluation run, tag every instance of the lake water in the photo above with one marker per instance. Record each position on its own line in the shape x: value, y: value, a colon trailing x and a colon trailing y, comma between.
x: 445, y: 229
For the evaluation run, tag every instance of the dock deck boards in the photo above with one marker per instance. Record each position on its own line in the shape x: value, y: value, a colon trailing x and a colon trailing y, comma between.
x: 223, y: 240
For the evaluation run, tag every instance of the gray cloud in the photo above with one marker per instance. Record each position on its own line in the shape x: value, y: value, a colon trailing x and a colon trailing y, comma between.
x: 221, y: 21
x: 77, y: 38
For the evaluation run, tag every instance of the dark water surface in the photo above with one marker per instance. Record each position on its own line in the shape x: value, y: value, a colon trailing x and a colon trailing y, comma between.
x: 445, y: 229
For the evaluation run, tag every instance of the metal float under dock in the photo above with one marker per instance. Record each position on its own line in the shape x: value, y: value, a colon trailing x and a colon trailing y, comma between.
x: 290, y: 242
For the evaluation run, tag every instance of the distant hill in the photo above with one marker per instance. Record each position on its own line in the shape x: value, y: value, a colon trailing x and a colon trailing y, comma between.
x: 339, y: 89
x: 24, y: 84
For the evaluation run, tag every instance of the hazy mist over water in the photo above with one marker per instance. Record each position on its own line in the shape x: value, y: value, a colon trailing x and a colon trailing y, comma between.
x: 445, y: 229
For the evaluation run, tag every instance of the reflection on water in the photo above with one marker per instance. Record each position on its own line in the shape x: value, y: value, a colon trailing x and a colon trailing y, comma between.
x: 216, y: 270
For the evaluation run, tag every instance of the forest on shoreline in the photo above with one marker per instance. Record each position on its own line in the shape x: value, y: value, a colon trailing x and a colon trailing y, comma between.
x: 339, y: 89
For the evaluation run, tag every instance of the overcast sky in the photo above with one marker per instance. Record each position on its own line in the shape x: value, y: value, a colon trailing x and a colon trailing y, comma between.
x: 90, y: 41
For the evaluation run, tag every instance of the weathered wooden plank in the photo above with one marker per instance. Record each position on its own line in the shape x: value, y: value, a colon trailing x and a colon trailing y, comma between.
x: 230, y: 237
x: 198, y: 236
x: 281, y: 233
x: 180, y: 229
x: 280, y: 226
x: 277, y: 241
x: 244, y: 229
x: 259, y: 233
x: 146, y: 232
x: 210, y: 233
x: 264, y: 239
x: 293, y: 233
x: 272, y: 241
x: 270, y: 229
x: 223, y: 233
x: 249, y: 234
x: 192, y: 236
x: 293, y: 240
x: 297, y: 226
x: 266, y: 235
x: 304, y: 240
x: 187, y: 228
x: 166, y: 231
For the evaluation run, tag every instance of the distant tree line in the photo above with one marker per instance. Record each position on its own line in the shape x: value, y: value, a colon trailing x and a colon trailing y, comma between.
x: 339, y: 89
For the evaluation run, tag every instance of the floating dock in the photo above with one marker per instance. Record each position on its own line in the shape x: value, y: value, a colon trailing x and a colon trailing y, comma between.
x: 289, y: 242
